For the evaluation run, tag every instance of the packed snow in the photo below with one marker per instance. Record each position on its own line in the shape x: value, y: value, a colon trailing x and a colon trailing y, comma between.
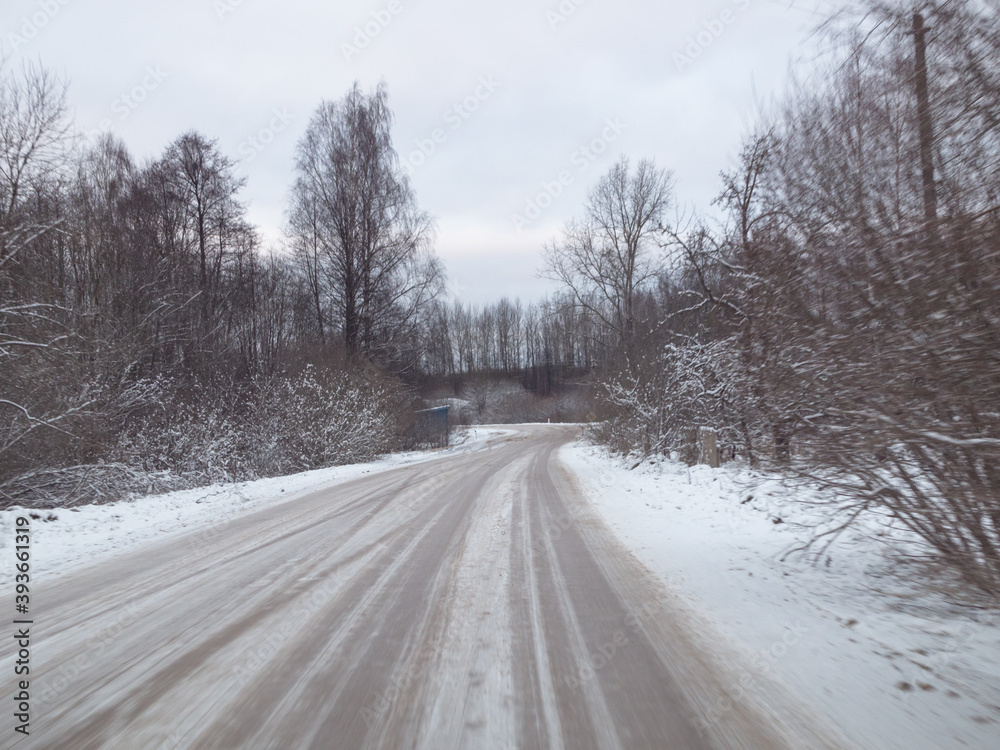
x: 892, y: 665
x: 65, y: 538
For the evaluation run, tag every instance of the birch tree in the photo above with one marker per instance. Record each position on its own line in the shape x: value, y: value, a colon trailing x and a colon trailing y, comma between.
x: 353, y: 208
x: 605, y: 259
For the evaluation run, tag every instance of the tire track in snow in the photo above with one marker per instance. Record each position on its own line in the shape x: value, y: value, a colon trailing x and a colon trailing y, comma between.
x: 458, y: 604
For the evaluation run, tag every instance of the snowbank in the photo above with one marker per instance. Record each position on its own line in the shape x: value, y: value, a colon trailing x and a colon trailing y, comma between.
x: 894, y: 667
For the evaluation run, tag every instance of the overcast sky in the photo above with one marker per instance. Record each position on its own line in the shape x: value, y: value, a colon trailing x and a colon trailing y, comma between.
x: 506, y: 112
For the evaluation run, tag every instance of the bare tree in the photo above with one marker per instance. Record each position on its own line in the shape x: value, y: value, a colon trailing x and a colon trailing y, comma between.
x: 33, y: 130
x: 606, y: 258
x: 33, y: 324
x: 305, y: 234
x: 857, y: 273
x: 205, y: 186
x: 353, y: 207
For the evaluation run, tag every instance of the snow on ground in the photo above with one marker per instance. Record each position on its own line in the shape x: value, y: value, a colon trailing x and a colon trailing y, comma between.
x: 892, y: 666
x: 65, y: 538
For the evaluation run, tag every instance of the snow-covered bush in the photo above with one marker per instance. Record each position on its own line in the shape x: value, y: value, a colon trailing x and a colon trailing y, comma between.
x: 652, y: 408
x: 196, y: 435
x: 178, y: 434
x: 323, y: 417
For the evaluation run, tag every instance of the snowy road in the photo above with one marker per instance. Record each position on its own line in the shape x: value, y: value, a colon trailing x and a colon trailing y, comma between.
x: 470, y: 602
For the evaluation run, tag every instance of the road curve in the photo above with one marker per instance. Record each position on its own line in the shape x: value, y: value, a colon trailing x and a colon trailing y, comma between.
x: 470, y: 602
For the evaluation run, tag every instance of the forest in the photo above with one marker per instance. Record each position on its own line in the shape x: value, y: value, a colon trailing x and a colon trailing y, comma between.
x: 834, y: 316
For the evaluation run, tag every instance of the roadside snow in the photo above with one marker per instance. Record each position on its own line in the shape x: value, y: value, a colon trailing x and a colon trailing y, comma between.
x: 891, y: 666
x: 63, y: 539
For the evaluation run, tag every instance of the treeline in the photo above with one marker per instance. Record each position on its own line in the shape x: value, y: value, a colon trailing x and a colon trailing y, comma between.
x: 511, y: 362
x: 148, y: 341
x: 843, y: 321
x: 543, y: 342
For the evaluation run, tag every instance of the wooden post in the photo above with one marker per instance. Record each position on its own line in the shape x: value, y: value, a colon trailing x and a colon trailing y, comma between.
x: 708, y: 447
x: 690, y: 452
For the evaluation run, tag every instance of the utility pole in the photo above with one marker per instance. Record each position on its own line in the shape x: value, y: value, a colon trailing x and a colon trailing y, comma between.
x: 925, y: 124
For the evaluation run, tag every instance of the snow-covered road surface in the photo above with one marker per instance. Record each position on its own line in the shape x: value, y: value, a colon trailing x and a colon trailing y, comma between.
x: 471, y: 602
